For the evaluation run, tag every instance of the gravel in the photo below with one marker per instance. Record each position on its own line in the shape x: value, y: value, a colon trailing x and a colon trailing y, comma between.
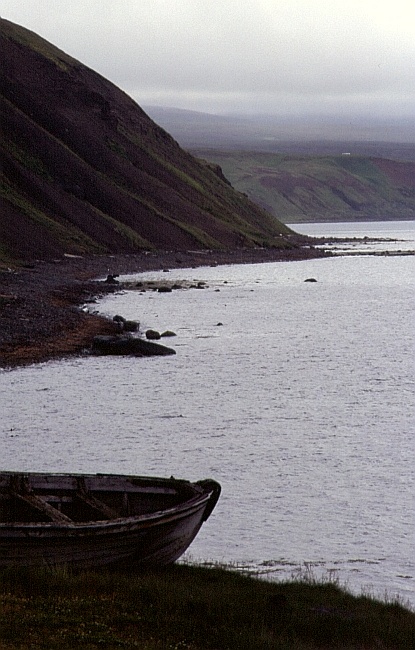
x: 40, y: 315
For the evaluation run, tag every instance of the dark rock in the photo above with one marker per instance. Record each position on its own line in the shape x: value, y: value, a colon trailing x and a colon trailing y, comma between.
x: 168, y: 333
x: 153, y: 335
x: 111, y: 279
x: 131, y: 326
x: 310, y: 280
x: 120, y: 322
x: 164, y: 289
x: 126, y: 345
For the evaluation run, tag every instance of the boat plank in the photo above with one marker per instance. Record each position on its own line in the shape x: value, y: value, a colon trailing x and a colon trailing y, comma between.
x: 96, y: 504
x: 42, y: 506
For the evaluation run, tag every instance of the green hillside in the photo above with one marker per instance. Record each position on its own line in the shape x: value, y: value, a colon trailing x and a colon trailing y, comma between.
x: 297, y: 188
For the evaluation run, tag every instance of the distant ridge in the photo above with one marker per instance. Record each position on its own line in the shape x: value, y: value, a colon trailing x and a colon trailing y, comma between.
x: 295, y: 168
x: 310, y: 188
x: 312, y: 134
x: 85, y: 170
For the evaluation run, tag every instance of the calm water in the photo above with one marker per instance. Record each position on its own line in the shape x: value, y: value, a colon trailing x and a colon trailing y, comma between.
x: 298, y: 397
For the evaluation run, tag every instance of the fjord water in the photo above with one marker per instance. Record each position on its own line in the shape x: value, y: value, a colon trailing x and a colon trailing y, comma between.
x: 298, y: 397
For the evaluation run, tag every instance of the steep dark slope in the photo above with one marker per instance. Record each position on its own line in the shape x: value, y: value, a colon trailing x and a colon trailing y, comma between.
x: 85, y: 170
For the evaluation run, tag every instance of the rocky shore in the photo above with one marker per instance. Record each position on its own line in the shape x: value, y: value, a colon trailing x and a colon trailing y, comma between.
x: 40, y: 315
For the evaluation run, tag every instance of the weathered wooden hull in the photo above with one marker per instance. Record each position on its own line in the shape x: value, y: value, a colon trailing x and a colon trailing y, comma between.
x: 153, y: 538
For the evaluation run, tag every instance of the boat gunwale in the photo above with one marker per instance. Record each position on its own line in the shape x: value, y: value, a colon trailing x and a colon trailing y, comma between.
x: 183, y: 509
x: 148, y: 519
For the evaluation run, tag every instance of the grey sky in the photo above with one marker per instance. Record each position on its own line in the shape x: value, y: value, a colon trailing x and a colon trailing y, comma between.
x: 350, y: 57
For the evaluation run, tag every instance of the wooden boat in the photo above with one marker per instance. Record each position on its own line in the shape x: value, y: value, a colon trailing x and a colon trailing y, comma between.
x: 94, y: 520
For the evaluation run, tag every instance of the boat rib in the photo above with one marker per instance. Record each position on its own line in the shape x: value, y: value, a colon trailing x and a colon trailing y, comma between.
x: 42, y: 506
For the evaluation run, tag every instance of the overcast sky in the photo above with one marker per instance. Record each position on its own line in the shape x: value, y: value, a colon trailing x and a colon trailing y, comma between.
x: 347, y: 57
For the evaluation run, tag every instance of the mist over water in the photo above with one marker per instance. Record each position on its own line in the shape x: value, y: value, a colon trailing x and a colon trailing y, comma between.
x: 296, y: 396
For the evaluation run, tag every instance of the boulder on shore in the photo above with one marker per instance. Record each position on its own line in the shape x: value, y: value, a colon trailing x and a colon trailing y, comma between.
x: 153, y: 335
x: 126, y: 345
x: 125, y: 325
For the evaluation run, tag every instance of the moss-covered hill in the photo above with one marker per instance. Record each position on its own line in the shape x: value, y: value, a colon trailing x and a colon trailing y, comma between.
x: 299, y: 188
x: 85, y: 170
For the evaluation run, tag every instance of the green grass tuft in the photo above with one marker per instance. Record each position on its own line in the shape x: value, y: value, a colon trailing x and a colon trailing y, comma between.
x: 192, y: 608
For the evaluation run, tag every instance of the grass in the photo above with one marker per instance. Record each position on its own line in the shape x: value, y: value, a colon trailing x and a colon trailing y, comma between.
x: 32, y: 41
x: 67, y: 235
x: 28, y: 160
x: 309, y: 187
x: 191, y: 608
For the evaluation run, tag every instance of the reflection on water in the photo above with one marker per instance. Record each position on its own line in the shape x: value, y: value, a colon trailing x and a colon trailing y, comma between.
x: 300, y: 403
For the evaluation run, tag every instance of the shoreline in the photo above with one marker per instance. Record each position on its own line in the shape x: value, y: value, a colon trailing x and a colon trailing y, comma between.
x: 40, y: 303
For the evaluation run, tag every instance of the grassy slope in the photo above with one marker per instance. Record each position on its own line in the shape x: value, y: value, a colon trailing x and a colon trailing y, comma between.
x: 311, y: 188
x: 192, y: 609
x: 85, y: 170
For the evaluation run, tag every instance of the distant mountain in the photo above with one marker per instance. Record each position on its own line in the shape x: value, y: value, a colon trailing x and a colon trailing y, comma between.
x: 321, y: 188
x: 312, y: 135
x: 298, y: 169
x: 85, y: 170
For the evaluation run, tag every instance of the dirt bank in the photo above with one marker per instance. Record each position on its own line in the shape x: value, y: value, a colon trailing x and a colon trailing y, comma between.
x: 40, y: 318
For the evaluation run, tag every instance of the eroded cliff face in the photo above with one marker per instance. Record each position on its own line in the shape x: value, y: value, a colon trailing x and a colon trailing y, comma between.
x: 85, y: 170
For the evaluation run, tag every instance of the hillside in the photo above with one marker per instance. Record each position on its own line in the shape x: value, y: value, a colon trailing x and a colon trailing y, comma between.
x: 85, y: 170
x: 299, y: 188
